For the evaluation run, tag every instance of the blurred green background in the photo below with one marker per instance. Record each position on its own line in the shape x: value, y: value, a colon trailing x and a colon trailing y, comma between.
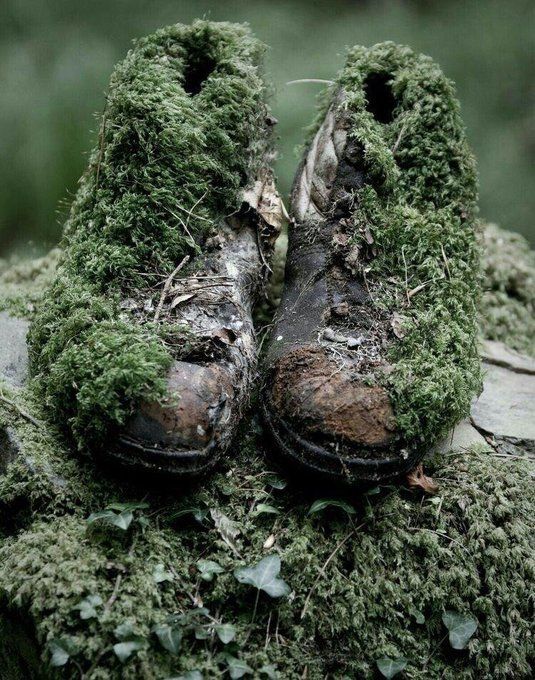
x: 56, y: 57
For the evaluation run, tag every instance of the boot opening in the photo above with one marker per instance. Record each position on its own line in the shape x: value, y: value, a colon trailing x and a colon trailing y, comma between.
x: 197, y: 70
x: 380, y: 98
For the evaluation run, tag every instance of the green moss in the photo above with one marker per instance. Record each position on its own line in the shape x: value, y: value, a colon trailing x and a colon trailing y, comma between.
x: 508, y: 303
x: 470, y: 550
x: 473, y: 553
x: 183, y: 132
x: 419, y: 207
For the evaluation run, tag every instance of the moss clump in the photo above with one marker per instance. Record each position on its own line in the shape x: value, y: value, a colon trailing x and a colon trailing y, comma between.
x: 414, y: 230
x: 403, y: 562
x: 508, y: 303
x: 183, y: 132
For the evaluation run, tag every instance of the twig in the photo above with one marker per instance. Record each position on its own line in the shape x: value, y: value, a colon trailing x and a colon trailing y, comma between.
x: 101, y: 144
x: 93, y: 667
x: 21, y: 411
x: 438, y: 533
x: 310, y: 80
x: 114, y: 594
x: 400, y: 136
x: 322, y: 570
x: 406, y: 276
x: 266, y: 645
x: 166, y: 287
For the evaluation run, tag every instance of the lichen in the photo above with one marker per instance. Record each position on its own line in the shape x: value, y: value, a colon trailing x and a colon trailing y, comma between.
x: 183, y: 132
x: 413, y: 225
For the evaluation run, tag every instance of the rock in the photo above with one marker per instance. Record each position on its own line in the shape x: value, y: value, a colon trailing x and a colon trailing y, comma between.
x: 503, y: 417
x: 498, y: 354
x: 14, y: 354
x: 506, y: 407
x: 464, y: 436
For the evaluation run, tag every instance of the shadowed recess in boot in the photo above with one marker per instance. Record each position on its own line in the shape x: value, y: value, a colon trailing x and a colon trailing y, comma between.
x: 379, y: 97
x: 183, y: 133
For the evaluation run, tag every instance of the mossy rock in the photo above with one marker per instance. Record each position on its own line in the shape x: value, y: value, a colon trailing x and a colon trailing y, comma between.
x: 364, y: 585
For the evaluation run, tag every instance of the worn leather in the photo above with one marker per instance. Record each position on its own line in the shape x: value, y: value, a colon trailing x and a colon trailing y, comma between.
x: 324, y: 402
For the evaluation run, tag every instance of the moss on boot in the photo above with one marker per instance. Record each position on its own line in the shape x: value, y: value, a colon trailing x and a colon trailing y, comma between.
x: 184, y: 132
x: 407, y: 232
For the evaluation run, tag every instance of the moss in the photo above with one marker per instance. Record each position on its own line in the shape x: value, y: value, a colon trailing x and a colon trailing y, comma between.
x: 471, y: 553
x: 469, y: 549
x: 508, y: 304
x: 413, y: 227
x: 22, y: 283
x: 183, y: 132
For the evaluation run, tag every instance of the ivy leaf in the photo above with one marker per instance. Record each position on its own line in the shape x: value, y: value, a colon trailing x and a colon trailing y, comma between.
x: 237, y: 668
x: 264, y: 508
x: 418, y: 616
x: 124, y: 650
x: 124, y: 630
x: 226, y: 632
x: 101, y: 514
x: 121, y: 520
x: 276, y: 482
x: 389, y: 668
x: 270, y: 670
x: 227, y: 528
x: 209, y: 569
x: 202, y: 633
x: 87, y: 606
x: 199, y: 514
x: 188, y: 675
x: 264, y: 576
x: 160, y: 575
x: 61, y: 650
x: 461, y: 627
x: 322, y: 503
x: 170, y: 637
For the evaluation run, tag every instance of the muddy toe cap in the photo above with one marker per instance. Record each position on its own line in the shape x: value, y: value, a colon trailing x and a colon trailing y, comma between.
x: 325, y: 399
x: 324, y: 416
x: 188, y: 430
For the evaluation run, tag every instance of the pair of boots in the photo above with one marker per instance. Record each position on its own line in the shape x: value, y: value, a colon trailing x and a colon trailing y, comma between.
x: 144, y: 346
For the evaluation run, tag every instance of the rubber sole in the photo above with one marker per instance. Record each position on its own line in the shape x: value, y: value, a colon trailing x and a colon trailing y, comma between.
x: 318, y: 461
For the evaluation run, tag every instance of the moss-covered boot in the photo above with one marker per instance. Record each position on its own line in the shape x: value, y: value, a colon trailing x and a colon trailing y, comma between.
x: 373, y: 355
x: 144, y: 345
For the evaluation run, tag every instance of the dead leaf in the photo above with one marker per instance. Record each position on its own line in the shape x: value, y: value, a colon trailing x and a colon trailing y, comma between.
x: 181, y: 298
x: 225, y: 335
x: 227, y: 528
x: 397, y: 322
x: 264, y: 198
x: 417, y: 478
x: 269, y: 542
x: 368, y: 236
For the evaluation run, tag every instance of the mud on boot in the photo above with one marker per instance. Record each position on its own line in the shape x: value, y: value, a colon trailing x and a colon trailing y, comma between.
x: 373, y: 355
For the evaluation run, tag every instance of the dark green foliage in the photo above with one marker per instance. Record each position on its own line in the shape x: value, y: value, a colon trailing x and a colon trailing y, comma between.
x: 183, y: 132
x: 419, y: 210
